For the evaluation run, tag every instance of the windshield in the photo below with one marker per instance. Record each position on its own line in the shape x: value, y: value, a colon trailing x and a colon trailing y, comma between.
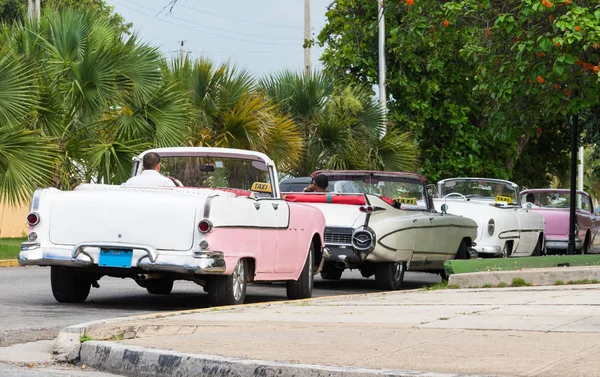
x: 480, y: 189
x: 209, y: 172
x: 556, y: 199
x: 407, y: 192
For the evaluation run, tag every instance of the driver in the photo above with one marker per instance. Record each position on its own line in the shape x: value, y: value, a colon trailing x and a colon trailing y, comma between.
x: 151, y: 175
x: 320, y: 184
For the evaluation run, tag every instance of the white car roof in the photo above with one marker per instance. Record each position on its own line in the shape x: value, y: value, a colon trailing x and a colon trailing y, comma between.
x: 211, y: 152
x: 478, y: 179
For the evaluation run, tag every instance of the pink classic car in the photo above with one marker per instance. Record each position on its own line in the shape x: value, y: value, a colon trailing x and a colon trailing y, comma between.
x: 225, y: 226
x: 553, y: 204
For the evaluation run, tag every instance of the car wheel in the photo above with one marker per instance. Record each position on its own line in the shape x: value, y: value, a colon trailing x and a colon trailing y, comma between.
x: 231, y: 289
x: 331, y: 272
x: 463, y: 251
x: 389, y: 276
x: 157, y: 286
x: 67, y: 287
x: 586, y: 244
x: 303, y: 287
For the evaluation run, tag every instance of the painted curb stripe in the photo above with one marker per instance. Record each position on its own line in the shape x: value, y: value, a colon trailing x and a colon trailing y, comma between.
x: 9, y: 263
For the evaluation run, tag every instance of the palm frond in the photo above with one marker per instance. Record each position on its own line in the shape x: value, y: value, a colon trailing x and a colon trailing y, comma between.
x: 26, y: 163
x: 18, y: 92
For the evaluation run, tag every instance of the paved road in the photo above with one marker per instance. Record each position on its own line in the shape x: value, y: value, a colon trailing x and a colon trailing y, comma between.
x: 29, y: 312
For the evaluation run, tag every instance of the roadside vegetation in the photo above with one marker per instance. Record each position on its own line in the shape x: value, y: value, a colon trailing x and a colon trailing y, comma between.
x: 10, y: 247
x: 488, y: 88
x: 81, y: 95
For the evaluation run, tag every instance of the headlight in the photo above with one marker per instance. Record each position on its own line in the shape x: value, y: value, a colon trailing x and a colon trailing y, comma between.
x: 491, y: 226
x: 363, y: 239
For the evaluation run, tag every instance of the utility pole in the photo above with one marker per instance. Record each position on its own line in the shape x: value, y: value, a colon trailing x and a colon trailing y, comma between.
x: 33, y: 9
x: 382, y: 95
x: 181, y: 54
x: 580, y: 170
x: 307, y: 39
x: 572, y: 202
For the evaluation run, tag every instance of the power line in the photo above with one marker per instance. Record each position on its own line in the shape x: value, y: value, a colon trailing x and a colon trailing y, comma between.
x: 237, y: 19
x: 214, y: 28
x: 202, y: 31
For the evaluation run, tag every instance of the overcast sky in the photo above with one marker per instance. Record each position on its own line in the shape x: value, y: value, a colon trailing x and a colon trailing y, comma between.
x: 261, y: 35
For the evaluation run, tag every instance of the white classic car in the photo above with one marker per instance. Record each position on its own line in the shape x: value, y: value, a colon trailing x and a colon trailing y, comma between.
x: 384, y: 223
x: 505, y: 228
x: 228, y: 226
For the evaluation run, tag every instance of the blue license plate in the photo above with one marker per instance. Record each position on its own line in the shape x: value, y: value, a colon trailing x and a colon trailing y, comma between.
x: 115, y: 258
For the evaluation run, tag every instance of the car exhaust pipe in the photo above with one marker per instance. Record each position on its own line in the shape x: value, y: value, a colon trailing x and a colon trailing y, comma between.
x: 148, y: 276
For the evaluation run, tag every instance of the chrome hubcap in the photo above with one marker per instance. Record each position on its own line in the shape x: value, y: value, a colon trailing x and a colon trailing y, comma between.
x: 239, y: 279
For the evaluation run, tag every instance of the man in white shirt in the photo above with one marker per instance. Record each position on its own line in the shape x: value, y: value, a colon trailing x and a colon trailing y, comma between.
x: 151, y: 176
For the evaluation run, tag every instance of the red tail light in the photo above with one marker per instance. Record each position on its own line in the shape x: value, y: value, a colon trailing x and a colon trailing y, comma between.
x: 204, y: 226
x: 33, y: 219
x: 366, y: 209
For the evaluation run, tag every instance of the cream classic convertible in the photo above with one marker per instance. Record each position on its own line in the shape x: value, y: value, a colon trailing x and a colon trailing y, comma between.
x: 505, y: 228
x: 384, y: 223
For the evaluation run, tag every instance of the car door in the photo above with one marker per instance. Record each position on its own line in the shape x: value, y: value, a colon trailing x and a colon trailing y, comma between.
x: 445, y: 237
x: 267, y: 234
x: 287, y: 239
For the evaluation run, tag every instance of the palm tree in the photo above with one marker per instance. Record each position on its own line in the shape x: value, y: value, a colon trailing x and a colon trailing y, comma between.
x: 340, y: 126
x: 227, y: 111
x: 104, y: 96
x: 26, y: 157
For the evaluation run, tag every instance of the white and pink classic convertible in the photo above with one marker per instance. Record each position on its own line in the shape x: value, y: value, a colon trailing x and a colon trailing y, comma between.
x: 224, y: 226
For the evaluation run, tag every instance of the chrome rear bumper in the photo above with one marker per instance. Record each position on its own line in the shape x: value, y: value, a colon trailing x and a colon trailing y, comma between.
x: 144, y: 257
x: 562, y: 244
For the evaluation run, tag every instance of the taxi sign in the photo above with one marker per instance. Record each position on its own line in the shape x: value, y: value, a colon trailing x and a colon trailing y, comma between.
x: 261, y: 187
x: 412, y: 201
x: 505, y: 199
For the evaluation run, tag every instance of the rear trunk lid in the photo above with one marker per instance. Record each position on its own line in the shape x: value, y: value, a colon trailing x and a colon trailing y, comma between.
x: 163, y: 220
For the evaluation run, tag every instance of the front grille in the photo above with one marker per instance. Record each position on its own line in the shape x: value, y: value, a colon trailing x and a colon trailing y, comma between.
x: 338, y: 239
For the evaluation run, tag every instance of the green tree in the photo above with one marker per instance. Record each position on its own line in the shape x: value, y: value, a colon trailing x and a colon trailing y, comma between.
x: 451, y: 70
x: 15, y: 10
x: 25, y: 158
x: 100, y: 99
x: 340, y: 125
x: 228, y: 111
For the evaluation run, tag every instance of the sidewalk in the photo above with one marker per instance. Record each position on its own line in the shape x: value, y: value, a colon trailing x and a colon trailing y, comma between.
x: 531, y: 331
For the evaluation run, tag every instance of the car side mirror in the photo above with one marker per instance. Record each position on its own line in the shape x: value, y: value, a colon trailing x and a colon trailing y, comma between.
x: 529, y: 206
x: 444, y: 209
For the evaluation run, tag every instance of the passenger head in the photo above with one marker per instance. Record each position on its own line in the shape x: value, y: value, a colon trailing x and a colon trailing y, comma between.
x: 530, y: 198
x: 151, y: 161
x: 321, y: 182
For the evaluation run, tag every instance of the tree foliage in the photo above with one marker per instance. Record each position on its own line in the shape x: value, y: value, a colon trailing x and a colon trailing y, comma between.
x: 480, y: 82
x: 15, y: 10
x: 341, y: 125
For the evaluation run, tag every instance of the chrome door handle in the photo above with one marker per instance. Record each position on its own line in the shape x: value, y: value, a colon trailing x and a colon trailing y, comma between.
x: 275, y: 205
x: 257, y: 206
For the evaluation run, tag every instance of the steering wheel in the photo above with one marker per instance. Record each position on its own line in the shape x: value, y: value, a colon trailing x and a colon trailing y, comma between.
x: 456, y: 194
x: 176, y: 181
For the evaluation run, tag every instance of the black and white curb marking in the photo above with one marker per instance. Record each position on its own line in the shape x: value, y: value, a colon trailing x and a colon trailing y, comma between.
x: 144, y: 362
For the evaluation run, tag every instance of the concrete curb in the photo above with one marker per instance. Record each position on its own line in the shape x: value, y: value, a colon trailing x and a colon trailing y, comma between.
x: 460, y: 266
x: 144, y: 362
x: 9, y: 262
x: 534, y: 276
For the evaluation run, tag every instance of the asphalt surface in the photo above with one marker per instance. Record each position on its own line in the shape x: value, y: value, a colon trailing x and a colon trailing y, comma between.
x: 29, y: 312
